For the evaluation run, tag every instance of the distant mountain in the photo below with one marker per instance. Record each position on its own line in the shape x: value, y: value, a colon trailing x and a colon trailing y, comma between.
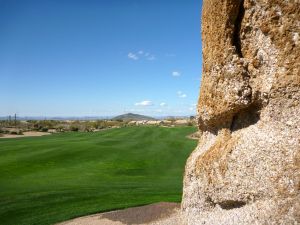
x: 86, y: 118
x: 132, y: 116
x: 57, y: 117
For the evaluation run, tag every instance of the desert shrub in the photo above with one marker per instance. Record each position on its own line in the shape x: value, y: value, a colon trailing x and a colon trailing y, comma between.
x: 37, y: 126
x: 112, y: 123
x: 99, y: 124
x: 60, y: 128
x: 190, y: 124
x: 44, y: 129
x: 171, y: 119
x: 88, y: 128
x: 74, y: 128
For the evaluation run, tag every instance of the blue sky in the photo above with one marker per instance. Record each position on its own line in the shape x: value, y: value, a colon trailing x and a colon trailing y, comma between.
x: 99, y: 58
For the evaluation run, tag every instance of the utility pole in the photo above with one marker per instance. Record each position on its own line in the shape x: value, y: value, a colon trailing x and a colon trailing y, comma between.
x: 15, y: 119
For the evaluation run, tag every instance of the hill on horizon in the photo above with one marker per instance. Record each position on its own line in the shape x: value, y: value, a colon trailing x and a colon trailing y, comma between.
x: 132, y: 116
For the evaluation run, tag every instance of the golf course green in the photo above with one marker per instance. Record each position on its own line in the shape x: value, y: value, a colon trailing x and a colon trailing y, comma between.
x: 48, y: 179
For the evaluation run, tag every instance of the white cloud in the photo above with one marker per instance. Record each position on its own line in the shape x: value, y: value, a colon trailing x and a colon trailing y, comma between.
x: 132, y: 56
x: 152, y: 57
x: 181, y: 94
x: 193, y: 107
x: 144, y: 103
x: 176, y: 74
x: 163, y: 104
x: 141, y: 55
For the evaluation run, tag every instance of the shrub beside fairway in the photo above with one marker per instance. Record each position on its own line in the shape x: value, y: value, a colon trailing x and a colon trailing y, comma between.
x: 44, y: 180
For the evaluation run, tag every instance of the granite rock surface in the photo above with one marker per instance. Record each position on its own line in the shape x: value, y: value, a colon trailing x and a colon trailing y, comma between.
x: 246, y: 168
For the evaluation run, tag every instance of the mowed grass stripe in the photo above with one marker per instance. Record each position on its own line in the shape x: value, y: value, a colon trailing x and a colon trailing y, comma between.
x: 44, y: 180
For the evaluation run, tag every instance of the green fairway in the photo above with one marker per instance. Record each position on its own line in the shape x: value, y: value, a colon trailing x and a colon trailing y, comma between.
x: 44, y: 180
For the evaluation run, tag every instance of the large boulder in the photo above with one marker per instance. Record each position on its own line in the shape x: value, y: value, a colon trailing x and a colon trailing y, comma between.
x: 246, y: 168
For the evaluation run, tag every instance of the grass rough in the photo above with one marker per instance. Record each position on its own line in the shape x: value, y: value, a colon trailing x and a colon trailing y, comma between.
x: 48, y: 179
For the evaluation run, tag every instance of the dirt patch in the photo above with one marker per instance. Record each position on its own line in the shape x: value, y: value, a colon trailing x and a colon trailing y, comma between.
x: 158, y: 213
x: 25, y: 134
x: 195, y: 136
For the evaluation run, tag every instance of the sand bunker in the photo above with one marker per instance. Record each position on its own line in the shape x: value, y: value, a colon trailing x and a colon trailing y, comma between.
x: 163, y: 213
x: 25, y: 134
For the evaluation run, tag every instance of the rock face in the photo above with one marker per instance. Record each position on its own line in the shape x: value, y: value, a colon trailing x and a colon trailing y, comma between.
x: 246, y: 168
